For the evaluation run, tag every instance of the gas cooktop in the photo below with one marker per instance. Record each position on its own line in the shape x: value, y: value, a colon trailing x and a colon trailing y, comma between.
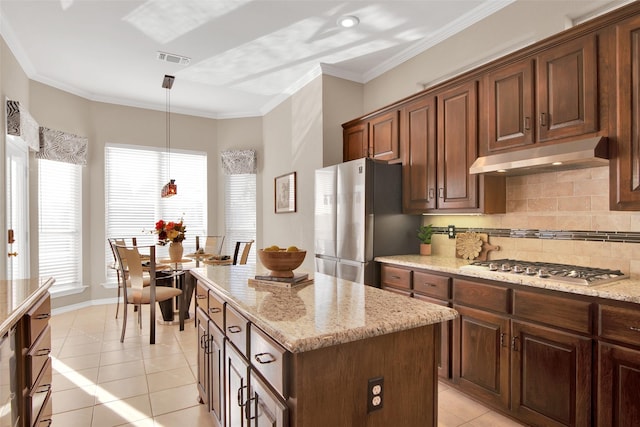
x: 572, y: 274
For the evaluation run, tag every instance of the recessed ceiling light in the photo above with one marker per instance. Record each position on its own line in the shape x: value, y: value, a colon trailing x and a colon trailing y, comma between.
x: 348, y: 21
x: 501, y: 171
x: 556, y: 163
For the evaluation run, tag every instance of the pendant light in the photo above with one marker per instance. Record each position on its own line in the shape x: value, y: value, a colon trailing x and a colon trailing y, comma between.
x: 170, y: 188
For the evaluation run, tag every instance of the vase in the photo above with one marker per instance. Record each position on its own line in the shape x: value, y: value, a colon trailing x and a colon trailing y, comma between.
x: 425, y: 249
x: 175, y: 251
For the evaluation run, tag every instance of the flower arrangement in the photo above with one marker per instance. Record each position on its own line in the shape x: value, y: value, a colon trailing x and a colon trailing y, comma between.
x: 170, y: 231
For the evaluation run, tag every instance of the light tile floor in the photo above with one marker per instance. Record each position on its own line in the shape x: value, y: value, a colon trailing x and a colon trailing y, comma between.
x: 100, y: 382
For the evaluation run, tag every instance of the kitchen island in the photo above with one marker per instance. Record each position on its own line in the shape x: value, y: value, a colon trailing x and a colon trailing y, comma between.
x: 332, y: 352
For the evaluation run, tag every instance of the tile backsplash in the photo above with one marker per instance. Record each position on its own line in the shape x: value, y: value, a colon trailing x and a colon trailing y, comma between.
x: 545, y: 208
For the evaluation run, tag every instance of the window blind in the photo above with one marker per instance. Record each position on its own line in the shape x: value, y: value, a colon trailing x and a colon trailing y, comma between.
x: 240, y: 212
x: 60, y: 222
x: 134, y: 177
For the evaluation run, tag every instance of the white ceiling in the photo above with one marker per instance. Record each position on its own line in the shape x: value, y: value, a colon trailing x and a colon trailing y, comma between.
x: 246, y: 55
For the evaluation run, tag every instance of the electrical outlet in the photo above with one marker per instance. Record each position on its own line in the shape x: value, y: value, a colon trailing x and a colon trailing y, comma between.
x: 375, y: 392
x: 451, y: 231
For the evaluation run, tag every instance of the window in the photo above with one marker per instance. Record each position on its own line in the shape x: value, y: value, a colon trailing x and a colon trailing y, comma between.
x: 134, y: 177
x: 240, y: 211
x: 60, y: 222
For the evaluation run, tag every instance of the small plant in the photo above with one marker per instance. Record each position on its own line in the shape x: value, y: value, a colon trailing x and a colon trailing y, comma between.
x: 424, y: 234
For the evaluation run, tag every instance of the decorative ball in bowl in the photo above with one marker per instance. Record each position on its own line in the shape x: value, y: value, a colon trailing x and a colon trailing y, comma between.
x: 281, y: 262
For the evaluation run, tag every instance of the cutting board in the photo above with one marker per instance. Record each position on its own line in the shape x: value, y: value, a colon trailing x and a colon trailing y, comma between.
x: 486, y: 247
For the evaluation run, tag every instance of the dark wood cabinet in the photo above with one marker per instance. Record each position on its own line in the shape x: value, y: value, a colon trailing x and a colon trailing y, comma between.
x: 618, y: 366
x: 551, y: 376
x: 418, y: 141
x: 210, y: 366
x: 237, y: 390
x: 457, y: 147
x: 375, y: 136
x: 510, y: 109
x: 355, y: 143
x: 264, y: 407
x: 567, y: 91
x: 480, y: 355
x: 625, y: 164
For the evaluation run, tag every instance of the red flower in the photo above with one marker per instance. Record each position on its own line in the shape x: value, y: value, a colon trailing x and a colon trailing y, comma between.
x: 159, y: 225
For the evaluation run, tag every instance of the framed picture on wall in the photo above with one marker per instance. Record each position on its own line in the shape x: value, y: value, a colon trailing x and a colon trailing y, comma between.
x: 285, y: 193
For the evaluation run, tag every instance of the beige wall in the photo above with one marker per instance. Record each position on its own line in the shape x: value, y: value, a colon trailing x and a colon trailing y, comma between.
x: 293, y: 141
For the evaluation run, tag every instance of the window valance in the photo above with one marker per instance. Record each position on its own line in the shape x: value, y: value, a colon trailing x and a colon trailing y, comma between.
x: 235, y: 162
x: 21, y: 124
x: 62, y: 147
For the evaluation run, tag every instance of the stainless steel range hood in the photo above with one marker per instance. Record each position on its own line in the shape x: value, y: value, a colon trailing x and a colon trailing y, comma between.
x: 579, y: 154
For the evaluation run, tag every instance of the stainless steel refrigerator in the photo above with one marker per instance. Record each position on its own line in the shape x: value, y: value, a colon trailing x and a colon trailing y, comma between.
x: 358, y: 216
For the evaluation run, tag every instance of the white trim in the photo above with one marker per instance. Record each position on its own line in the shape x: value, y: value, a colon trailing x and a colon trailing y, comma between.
x: 85, y: 304
x: 63, y: 291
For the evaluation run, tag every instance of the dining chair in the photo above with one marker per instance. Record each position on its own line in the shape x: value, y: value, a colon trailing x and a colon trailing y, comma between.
x: 136, y: 294
x: 245, y: 252
x: 212, y: 244
x: 120, y: 279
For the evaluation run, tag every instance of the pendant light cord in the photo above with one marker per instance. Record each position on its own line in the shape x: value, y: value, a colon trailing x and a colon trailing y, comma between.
x: 168, y: 131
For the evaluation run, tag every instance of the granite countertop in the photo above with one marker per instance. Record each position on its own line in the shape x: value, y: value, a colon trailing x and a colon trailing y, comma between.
x: 17, y: 297
x: 327, y: 312
x: 622, y: 290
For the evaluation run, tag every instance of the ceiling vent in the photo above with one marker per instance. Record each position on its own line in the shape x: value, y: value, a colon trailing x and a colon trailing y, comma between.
x: 174, y: 59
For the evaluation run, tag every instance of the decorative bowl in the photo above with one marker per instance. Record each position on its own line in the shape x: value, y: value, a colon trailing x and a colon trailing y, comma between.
x: 281, y: 263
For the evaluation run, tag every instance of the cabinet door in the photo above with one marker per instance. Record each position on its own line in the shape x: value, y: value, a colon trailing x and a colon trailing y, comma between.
x: 419, y: 156
x: 215, y: 351
x: 567, y: 89
x: 618, y: 391
x: 551, y: 376
x: 236, y: 387
x: 510, y: 107
x: 355, y: 141
x: 383, y: 136
x: 625, y: 167
x: 480, y: 355
x: 202, y: 323
x: 265, y: 408
x: 457, y: 147
x: 444, y: 365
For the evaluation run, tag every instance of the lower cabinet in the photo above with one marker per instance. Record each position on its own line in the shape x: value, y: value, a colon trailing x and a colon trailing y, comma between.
x: 211, y: 366
x: 265, y: 408
x: 237, y: 391
x: 619, y: 366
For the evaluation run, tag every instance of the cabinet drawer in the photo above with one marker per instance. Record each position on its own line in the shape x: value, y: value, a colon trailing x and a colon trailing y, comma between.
x: 216, y: 310
x: 37, y: 318
x: 555, y: 311
x: 37, y: 356
x: 237, y: 327
x: 46, y: 414
x: 406, y: 293
x: 270, y: 360
x: 202, y: 296
x: 39, y: 394
x: 481, y: 295
x: 431, y: 285
x: 396, y: 277
x: 620, y: 324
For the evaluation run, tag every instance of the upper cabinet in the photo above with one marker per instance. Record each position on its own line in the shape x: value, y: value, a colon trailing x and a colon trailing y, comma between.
x: 376, y: 137
x: 625, y: 165
x: 565, y: 84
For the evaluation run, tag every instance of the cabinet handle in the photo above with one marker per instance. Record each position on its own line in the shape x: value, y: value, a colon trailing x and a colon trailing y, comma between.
x: 247, y: 411
x: 44, y: 388
x: 395, y: 277
x: 441, y: 192
x: 215, y: 310
x: 43, y: 316
x: 514, y: 344
x: 234, y: 329
x: 202, y: 342
x: 430, y: 285
x: 432, y: 193
x: 241, y: 401
x: 634, y: 328
x: 262, y: 361
x: 527, y: 123
x: 43, y: 352
x: 543, y: 119
x: 502, y: 339
x: 48, y: 422
x: 200, y: 296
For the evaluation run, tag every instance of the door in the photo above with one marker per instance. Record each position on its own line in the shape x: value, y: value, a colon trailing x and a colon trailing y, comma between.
x: 17, y: 209
x: 355, y: 141
x: 457, y: 147
x: 551, y: 376
x: 236, y: 387
x: 265, y: 408
x: 383, y: 137
x: 618, y: 391
x: 351, y: 199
